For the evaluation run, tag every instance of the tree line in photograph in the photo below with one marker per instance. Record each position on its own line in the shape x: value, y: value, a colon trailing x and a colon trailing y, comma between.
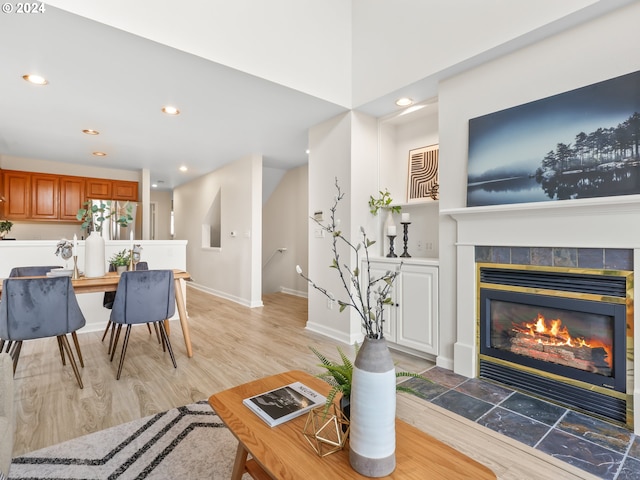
x: 601, y: 163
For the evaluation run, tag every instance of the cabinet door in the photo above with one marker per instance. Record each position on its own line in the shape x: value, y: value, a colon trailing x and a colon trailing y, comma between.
x: 125, y: 190
x: 71, y: 197
x: 390, y: 311
x: 45, y: 191
x: 98, y: 188
x: 417, y: 317
x: 17, y: 193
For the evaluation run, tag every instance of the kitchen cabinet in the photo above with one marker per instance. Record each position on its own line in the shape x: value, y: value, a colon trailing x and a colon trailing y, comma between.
x: 123, y: 190
x: 49, y: 197
x: 17, y: 195
x: 103, y: 189
x: 411, y: 321
x: 99, y: 188
x: 72, y: 197
x: 44, y: 196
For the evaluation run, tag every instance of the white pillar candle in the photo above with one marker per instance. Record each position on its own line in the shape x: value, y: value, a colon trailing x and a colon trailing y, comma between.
x: 406, y: 218
x: 391, y: 230
x: 75, y: 245
x: 131, y: 238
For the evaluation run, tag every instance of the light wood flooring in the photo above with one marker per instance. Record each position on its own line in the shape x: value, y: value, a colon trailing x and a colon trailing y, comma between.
x: 232, y: 345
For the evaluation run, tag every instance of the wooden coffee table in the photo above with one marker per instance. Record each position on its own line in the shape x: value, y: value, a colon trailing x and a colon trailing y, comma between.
x: 283, y: 453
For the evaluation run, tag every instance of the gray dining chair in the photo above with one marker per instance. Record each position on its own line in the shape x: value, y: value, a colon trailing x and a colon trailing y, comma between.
x: 41, y: 271
x: 107, y: 302
x: 146, y: 296
x: 43, y: 307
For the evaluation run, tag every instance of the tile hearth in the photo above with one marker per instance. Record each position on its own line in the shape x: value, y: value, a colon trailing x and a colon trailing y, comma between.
x: 598, y: 447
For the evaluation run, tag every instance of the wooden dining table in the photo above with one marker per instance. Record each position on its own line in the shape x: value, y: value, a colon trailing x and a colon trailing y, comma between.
x: 109, y: 283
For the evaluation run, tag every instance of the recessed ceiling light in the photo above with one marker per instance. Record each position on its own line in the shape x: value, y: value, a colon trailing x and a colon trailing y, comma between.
x: 99, y: 154
x: 307, y: 151
x: 89, y: 131
x: 35, y: 79
x: 404, y: 102
x: 169, y: 110
x: 183, y: 168
x: 154, y: 185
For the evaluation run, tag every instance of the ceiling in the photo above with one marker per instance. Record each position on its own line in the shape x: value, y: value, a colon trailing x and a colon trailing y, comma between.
x: 108, y: 80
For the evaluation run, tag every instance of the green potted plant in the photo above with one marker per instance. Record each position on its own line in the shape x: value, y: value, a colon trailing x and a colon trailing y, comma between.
x: 5, y: 227
x: 383, y: 202
x: 120, y: 260
x: 339, y: 376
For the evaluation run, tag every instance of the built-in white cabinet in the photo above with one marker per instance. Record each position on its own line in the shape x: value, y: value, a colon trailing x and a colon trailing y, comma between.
x: 411, y: 322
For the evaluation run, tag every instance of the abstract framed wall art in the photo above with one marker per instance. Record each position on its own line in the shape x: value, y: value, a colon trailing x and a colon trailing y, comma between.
x: 423, y: 174
x: 579, y: 144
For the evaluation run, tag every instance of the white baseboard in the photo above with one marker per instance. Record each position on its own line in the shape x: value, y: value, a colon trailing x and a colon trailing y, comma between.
x: 226, y: 296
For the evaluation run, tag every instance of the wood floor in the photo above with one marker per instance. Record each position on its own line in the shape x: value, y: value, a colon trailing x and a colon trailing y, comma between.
x: 232, y: 345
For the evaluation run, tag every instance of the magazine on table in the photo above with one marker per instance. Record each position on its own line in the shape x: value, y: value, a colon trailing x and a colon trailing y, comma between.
x: 284, y: 403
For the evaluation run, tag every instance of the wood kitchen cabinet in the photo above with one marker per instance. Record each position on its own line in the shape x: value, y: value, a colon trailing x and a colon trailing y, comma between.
x: 72, y: 196
x: 17, y: 195
x: 45, y: 191
x: 112, y: 189
x: 99, y: 188
x: 49, y: 197
x: 123, y: 190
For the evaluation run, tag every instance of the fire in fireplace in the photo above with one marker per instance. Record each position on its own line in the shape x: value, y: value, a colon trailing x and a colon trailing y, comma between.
x: 558, y: 333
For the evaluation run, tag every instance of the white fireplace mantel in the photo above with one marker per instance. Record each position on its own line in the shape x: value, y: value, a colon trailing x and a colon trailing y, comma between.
x: 612, y: 222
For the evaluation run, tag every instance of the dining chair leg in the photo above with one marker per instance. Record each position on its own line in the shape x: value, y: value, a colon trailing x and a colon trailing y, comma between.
x: 115, y: 342
x: 1, y: 345
x: 15, y: 354
x: 158, y: 336
x: 111, y: 337
x: 65, y: 343
x: 124, y: 350
x: 9, y: 344
x: 167, y: 342
x: 149, y: 328
x: 106, y: 330
x: 64, y: 362
x: 77, y: 345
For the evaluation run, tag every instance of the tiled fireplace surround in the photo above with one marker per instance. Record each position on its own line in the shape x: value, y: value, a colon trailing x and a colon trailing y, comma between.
x: 590, y: 233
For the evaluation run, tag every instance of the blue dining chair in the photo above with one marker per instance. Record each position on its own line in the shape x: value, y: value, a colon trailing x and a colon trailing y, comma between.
x: 41, y: 271
x: 146, y: 296
x: 43, y: 307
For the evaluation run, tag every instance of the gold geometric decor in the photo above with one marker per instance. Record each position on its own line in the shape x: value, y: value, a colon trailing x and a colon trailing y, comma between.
x: 423, y: 173
x: 326, y: 431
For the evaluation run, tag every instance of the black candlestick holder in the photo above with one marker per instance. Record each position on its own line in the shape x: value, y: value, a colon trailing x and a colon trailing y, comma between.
x: 405, y: 226
x: 391, y: 240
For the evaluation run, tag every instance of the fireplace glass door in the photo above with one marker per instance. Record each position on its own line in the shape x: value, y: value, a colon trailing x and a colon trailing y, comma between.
x: 578, y: 339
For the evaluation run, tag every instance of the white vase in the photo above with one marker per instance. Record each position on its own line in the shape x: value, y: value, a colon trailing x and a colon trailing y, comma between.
x: 372, y: 437
x: 94, y: 260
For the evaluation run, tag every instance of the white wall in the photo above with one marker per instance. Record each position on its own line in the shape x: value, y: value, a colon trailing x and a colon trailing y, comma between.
x: 285, y: 216
x: 565, y: 62
x: 234, y: 270
x: 344, y: 148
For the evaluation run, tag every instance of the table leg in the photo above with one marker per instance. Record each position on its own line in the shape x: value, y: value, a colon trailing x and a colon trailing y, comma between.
x: 238, y: 465
x: 182, y: 312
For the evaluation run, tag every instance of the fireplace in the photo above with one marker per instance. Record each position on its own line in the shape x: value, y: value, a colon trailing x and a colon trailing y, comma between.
x: 563, y: 334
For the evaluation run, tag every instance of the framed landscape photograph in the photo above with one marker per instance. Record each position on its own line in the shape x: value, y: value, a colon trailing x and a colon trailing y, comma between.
x: 580, y: 144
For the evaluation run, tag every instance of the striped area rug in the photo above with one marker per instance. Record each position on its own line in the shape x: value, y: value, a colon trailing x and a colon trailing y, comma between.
x: 189, y: 442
